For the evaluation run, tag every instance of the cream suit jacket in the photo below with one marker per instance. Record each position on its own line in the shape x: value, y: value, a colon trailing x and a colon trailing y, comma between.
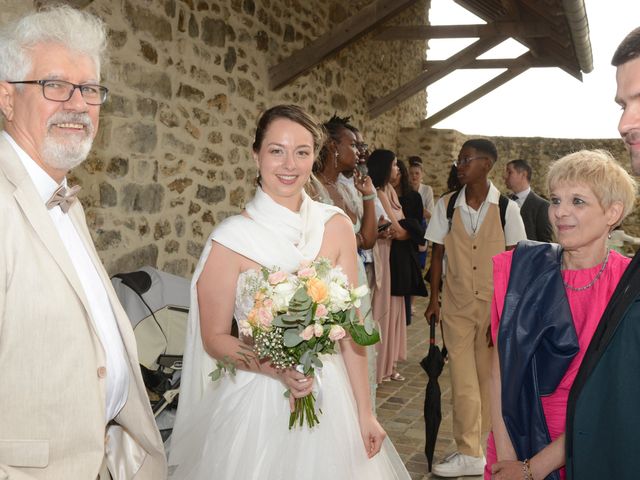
x: 52, y: 364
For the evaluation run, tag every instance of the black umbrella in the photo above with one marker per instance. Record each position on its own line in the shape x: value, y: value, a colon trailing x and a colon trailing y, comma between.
x: 432, y: 364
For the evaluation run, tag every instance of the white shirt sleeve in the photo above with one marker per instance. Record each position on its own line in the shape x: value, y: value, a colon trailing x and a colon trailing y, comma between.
x: 438, y: 227
x: 513, y: 225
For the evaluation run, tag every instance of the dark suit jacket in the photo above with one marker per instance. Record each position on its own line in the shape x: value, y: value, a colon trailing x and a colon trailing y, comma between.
x: 535, y: 215
x: 602, y: 411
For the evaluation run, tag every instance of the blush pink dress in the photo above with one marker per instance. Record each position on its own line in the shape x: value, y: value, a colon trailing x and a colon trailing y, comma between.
x: 587, y: 306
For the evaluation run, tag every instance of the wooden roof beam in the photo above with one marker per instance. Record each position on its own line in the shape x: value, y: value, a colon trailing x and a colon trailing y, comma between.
x: 474, y: 95
x: 334, y: 40
x: 528, y: 62
x: 463, y: 57
x: 426, y: 32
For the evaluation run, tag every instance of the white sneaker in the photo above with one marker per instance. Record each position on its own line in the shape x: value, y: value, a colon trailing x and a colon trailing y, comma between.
x: 459, y: 465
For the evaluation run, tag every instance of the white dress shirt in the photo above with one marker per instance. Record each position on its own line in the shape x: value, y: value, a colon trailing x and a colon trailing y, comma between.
x: 438, y: 227
x: 522, y: 196
x: 102, y: 316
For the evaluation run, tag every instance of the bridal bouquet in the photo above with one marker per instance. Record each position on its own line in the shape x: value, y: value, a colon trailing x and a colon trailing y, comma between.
x: 297, y: 317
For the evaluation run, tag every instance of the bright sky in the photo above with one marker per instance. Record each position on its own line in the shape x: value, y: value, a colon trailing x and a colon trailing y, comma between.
x: 541, y: 102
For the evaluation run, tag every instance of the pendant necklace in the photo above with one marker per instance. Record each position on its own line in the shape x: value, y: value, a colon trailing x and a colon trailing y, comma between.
x: 474, y: 228
x: 592, y: 282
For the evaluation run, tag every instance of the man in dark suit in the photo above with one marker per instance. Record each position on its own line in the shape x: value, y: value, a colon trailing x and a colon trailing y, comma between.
x: 602, y: 411
x: 533, y: 208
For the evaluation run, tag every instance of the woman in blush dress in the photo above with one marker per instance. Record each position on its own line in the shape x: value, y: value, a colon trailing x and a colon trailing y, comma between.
x: 548, y: 300
x: 388, y: 309
x: 237, y: 427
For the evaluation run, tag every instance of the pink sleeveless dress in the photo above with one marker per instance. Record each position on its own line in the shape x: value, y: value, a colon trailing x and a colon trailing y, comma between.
x: 587, y: 307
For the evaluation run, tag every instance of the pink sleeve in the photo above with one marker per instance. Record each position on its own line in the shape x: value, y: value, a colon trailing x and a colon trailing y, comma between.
x: 501, y: 271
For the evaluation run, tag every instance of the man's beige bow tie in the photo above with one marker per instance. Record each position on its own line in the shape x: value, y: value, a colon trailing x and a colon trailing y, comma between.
x: 63, y: 197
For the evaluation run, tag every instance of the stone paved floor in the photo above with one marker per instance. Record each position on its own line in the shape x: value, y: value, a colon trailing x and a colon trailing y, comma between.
x: 400, y: 404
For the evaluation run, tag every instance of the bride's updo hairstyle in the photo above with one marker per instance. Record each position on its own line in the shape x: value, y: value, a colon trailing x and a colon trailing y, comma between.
x: 295, y: 114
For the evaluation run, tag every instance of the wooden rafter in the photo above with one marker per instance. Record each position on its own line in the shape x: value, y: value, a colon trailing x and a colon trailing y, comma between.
x: 528, y: 62
x: 334, y: 40
x: 426, y: 78
x: 481, y: 91
x: 426, y: 32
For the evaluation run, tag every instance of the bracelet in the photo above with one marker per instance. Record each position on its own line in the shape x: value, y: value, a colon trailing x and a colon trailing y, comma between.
x: 371, y: 196
x: 526, y: 470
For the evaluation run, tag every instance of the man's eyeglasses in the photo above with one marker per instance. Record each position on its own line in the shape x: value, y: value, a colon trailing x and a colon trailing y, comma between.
x: 464, y: 161
x: 361, y: 146
x: 61, y: 91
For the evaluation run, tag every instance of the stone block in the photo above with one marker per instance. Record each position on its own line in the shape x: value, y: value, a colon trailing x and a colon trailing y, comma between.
x: 136, y: 137
x: 214, y: 32
x: 143, y: 198
x: 108, y: 195
x: 230, y: 59
x: 148, y: 51
x: 211, y: 195
x: 180, y: 184
x: 246, y: 89
x: 219, y: 102
x: 143, y: 19
x: 194, y: 29
x: 192, y: 130
x: 190, y: 93
x: 147, y: 107
x: 171, y: 141
x: 171, y: 246
x: 237, y: 197
x: 117, y: 38
x: 106, y: 239
x: 179, y: 225
x: 118, y: 167
x: 211, y: 158
x: 194, y: 249
x: 178, y: 267
x: 132, y: 261
x: 161, y: 229
x: 147, y: 80
x: 118, y: 106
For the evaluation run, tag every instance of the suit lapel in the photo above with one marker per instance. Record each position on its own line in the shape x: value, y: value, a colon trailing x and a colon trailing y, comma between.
x: 35, y: 212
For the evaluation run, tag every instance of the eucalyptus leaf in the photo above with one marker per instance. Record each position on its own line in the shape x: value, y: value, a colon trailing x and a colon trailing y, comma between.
x: 292, y: 337
x: 360, y: 335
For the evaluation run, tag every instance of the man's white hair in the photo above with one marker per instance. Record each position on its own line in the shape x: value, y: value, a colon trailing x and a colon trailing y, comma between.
x: 74, y: 29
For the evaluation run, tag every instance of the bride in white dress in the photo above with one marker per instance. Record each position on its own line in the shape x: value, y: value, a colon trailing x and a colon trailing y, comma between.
x: 237, y: 427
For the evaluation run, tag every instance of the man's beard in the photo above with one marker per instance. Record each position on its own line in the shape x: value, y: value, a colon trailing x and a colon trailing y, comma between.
x: 65, y: 155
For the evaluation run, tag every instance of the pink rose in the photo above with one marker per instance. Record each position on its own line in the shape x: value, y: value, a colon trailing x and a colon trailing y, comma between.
x: 277, y: 277
x: 268, y: 303
x: 305, y: 263
x: 321, y: 310
x: 307, y: 272
x: 317, y: 330
x: 307, y: 333
x: 336, y: 333
x: 265, y: 318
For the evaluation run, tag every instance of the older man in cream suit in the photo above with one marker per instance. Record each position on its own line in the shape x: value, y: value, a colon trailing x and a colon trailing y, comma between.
x: 72, y: 402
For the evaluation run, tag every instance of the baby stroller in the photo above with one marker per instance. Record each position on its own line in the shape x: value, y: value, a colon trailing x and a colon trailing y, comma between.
x: 157, y: 304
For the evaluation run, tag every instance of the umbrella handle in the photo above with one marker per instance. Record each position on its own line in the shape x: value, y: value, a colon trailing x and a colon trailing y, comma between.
x: 432, y: 329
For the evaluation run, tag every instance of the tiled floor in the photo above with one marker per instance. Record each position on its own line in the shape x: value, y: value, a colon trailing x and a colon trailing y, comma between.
x: 400, y: 404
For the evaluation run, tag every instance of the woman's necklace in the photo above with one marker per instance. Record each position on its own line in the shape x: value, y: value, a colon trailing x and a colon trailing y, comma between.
x: 595, y: 279
x: 474, y: 228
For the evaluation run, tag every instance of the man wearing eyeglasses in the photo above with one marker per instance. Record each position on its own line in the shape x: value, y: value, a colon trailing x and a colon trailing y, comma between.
x: 72, y: 402
x: 469, y: 226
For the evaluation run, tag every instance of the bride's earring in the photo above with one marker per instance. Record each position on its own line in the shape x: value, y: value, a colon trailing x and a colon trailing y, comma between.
x: 335, y: 160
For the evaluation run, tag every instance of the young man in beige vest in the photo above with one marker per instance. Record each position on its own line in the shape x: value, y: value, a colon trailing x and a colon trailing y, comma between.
x: 476, y: 231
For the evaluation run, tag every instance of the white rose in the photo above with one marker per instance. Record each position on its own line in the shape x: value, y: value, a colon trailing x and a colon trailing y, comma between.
x: 340, y: 299
x: 282, y: 294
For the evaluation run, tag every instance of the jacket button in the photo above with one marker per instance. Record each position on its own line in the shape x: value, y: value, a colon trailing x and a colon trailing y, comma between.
x: 476, y: 292
x: 102, y: 372
x: 475, y: 246
x: 475, y: 268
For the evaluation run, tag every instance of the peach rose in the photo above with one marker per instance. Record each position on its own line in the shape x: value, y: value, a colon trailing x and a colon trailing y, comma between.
x: 317, y: 290
x: 265, y: 318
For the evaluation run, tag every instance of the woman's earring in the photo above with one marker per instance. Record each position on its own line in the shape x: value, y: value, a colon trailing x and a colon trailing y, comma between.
x: 609, y: 236
x: 336, y: 160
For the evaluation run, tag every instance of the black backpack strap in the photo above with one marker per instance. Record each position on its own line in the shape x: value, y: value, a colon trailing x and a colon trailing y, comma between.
x: 451, y: 205
x: 502, y: 203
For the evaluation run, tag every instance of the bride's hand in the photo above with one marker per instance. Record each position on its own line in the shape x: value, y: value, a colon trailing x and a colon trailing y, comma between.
x: 299, y: 385
x: 372, y: 434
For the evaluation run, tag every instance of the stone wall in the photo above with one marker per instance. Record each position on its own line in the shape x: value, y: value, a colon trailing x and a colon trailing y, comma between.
x: 438, y: 149
x: 188, y: 79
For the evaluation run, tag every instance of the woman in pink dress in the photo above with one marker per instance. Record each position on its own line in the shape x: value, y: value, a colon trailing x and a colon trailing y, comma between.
x: 388, y: 310
x: 590, y: 195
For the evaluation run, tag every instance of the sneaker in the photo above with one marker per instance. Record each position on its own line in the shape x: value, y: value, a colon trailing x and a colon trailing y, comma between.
x: 459, y: 465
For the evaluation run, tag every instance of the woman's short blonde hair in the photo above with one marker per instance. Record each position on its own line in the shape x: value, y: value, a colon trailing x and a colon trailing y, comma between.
x: 598, y: 170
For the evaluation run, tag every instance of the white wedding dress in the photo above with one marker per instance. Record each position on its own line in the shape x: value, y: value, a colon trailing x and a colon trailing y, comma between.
x: 237, y: 428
